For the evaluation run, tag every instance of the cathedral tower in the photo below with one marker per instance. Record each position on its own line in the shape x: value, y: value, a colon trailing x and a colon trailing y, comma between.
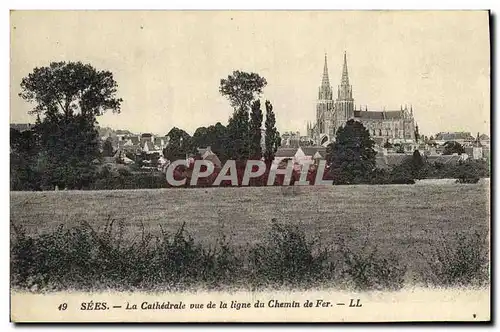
x: 345, y: 103
x: 324, y: 106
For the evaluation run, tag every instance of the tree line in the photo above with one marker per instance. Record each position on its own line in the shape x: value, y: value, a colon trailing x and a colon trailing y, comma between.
x: 63, y: 148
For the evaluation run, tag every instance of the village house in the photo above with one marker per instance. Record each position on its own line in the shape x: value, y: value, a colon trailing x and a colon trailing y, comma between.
x: 208, y: 154
x: 299, y: 155
x: 464, y: 138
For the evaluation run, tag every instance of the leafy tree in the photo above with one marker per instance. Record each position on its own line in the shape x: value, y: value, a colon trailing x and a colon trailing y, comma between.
x: 411, y: 167
x: 238, y: 136
x: 68, y: 97
x: 214, y: 136
x: 352, y: 157
x: 241, y: 88
x: 272, y: 136
x: 107, y: 148
x: 70, y: 88
x: 179, y: 144
x: 67, y: 151
x: 452, y: 147
x: 255, y: 133
x: 23, y: 153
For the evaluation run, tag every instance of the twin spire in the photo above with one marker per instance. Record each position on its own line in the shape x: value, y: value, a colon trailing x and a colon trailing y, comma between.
x: 344, y: 82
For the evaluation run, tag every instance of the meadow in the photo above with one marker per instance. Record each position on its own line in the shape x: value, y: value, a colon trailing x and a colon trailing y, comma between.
x: 406, y: 220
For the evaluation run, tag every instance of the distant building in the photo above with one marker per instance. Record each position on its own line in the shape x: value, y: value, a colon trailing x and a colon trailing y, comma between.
x: 484, y: 140
x: 331, y: 114
x: 294, y: 140
x: 208, y: 154
x: 290, y: 139
x: 300, y: 154
x: 462, y: 137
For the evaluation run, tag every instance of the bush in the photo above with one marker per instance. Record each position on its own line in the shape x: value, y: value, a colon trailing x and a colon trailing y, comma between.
x: 367, y: 269
x: 460, y: 262
x: 85, y: 258
x: 286, y: 257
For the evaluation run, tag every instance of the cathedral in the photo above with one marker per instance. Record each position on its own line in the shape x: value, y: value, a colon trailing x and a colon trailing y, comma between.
x: 394, y: 126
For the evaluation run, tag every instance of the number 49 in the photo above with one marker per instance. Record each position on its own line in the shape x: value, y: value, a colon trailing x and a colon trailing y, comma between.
x: 62, y: 306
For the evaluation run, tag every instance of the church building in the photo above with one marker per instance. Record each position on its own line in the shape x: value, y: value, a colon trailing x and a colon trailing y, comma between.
x: 394, y: 126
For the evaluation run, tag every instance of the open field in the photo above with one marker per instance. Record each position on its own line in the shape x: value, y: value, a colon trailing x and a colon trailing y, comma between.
x: 402, y: 219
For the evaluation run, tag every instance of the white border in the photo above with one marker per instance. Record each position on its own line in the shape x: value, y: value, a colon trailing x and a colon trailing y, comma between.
x: 190, y: 5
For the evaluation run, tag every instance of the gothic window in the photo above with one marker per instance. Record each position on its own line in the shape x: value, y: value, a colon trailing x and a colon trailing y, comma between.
x: 380, y: 132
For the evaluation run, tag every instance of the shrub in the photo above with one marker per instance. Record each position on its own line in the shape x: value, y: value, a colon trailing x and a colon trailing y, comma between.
x: 367, y: 269
x: 460, y: 262
x: 85, y: 258
x: 286, y: 257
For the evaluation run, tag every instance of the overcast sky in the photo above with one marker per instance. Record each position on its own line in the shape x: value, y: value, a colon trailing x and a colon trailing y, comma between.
x: 168, y: 65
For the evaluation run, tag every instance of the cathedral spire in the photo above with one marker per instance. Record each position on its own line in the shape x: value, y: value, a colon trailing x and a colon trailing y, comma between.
x: 345, y: 74
x: 325, y: 90
x: 345, y: 89
x: 325, y: 82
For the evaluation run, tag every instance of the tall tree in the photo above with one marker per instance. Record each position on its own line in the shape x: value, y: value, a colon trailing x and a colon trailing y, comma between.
x: 417, y: 163
x: 352, y: 157
x: 255, y: 132
x: 272, y: 136
x: 70, y: 88
x: 68, y: 98
x: 67, y: 151
x: 241, y: 88
x: 417, y: 134
x: 238, y: 136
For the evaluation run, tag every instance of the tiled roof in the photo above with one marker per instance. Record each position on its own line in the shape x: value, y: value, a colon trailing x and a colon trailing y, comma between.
x: 484, y: 137
x: 311, y: 150
x: 123, y: 132
x: 285, y: 152
x: 377, y: 115
x: 454, y: 136
x: 443, y: 159
x: 389, y: 160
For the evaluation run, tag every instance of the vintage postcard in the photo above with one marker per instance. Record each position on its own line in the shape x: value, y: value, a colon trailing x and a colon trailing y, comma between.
x: 250, y: 166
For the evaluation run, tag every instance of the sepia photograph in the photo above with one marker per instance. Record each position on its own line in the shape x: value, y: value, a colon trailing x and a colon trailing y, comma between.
x: 250, y: 166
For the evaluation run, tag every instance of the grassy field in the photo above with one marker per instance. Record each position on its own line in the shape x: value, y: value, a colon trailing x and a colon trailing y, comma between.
x: 402, y: 219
